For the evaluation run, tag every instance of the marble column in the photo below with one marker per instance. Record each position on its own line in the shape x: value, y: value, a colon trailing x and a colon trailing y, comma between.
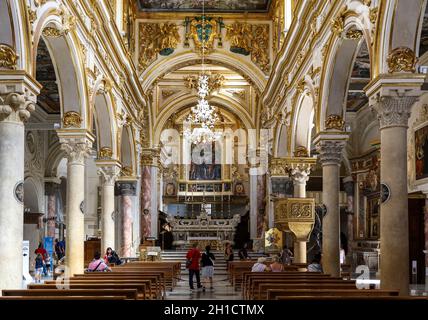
x: 108, y: 175
x: 15, y: 109
x: 77, y: 148
x: 330, y: 155
x: 348, y: 185
x: 149, y: 193
x: 126, y: 190
x: 300, y: 175
x: 393, y: 114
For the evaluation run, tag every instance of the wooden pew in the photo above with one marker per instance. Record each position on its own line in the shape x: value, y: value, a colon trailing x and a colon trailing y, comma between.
x: 86, y: 298
x: 273, y: 293
x: 152, y: 294
x: 262, y: 293
x: 351, y: 298
x: 141, y: 288
x: 126, y: 293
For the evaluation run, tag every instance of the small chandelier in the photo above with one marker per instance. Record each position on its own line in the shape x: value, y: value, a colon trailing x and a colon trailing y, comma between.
x: 203, y: 116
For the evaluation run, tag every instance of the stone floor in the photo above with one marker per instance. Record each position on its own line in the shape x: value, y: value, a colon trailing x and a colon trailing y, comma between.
x: 222, y: 290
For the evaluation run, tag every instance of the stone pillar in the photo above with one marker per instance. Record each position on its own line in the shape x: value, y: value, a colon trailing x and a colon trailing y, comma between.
x: 330, y: 147
x: 348, y: 185
x: 77, y: 148
x: 51, y: 189
x: 108, y: 175
x: 253, y: 203
x: 393, y: 100
x: 149, y: 194
x: 300, y: 175
x: 15, y: 107
x: 126, y: 190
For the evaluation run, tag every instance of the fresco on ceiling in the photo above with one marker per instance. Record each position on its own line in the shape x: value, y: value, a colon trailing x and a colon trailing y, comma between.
x: 210, y: 5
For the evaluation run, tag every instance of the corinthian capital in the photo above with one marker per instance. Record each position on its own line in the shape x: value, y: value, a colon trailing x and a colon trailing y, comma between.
x: 300, y: 173
x: 109, y: 174
x: 76, y: 145
x: 330, y: 147
x: 394, y: 111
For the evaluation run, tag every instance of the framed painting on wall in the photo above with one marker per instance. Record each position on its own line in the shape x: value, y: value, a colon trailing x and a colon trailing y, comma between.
x: 421, y: 149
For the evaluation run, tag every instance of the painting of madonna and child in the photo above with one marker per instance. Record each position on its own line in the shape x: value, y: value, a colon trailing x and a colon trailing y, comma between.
x: 205, y: 162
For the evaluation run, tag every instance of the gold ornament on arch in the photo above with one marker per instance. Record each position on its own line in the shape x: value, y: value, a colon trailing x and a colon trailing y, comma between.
x: 334, y: 122
x: 72, y: 119
x: 8, y: 57
x: 105, y: 153
x: 402, y: 59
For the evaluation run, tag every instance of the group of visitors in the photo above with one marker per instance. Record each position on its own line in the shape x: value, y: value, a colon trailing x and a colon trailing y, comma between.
x: 195, y: 261
x: 261, y: 266
x: 102, y: 265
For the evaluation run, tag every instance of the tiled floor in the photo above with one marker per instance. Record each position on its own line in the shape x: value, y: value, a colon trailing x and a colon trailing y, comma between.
x: 222, y: 291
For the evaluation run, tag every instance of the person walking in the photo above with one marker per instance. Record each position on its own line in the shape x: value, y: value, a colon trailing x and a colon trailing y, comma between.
x: 38, y: 268
x: 207, y: 263
x: 193, y: 256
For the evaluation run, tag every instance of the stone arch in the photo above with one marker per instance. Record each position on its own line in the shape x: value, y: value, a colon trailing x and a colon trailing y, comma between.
x: 14, y: 33
x: 186, y: 101
x: 303, y: 121
x: 64, y: 48
x: 165, y: 66
x: 32, y: 195
x: 336, y: 73
x: 281, y: 141
x: 127, y: 151
x: 103, y: 115
x: 400, y: 24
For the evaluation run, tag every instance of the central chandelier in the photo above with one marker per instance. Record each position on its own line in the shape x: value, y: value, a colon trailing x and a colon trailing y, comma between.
x: 203, y: 116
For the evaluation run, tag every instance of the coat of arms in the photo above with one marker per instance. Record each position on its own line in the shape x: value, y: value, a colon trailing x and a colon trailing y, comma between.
x: 203, y: 30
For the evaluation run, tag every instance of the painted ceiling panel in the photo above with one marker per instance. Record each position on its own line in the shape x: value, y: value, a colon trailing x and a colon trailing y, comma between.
x: 210, y: 5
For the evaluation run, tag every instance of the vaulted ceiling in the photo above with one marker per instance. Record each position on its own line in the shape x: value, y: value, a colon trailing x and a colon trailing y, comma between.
x: 210, y: 5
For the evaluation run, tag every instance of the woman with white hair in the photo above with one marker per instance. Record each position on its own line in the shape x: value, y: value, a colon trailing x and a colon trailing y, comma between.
x: 260, y: 266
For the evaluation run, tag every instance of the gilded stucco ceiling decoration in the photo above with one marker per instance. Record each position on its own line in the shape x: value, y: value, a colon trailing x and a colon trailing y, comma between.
x: 210, y: 5
x: 48, y: 98
x: 215, y: 82
x: 156, y: 38
x: 248, y: 39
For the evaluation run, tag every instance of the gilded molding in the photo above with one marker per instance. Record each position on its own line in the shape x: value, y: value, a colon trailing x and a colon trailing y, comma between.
x: 72, y: 119
x: 52, y: 32
x: 105, y: 153
x: 127, y: 172
x: 402, y: 59
x: 8, y: 57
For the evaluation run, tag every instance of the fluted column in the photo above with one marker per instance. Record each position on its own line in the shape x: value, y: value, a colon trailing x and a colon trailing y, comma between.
x: 300, y: 175
x: 109, y: 174
x: 393, y: 96
x: 77, y: 148
x: 330, y: 149
x: 15, y: 109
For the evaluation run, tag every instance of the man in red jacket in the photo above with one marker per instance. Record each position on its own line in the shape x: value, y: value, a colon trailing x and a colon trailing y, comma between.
x: 193, y: 256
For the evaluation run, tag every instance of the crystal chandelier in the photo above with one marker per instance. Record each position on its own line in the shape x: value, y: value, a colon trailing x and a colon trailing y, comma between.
x: 203, y: 116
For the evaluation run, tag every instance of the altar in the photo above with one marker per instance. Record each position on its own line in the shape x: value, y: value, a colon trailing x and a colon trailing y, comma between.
x: 204, y: 230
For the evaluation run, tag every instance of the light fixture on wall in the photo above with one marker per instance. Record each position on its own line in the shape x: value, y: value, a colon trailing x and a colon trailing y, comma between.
x: 203, y: 116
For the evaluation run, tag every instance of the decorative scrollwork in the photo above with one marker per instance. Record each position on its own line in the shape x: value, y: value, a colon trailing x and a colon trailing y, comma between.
x: 72, y: 119
x: 334, y: 122
x: 8, y: 57
x: 105, y: 153
x: 402, y: 59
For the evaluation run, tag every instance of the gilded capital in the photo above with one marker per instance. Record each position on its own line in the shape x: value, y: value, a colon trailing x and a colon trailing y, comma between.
x: 150, y: 157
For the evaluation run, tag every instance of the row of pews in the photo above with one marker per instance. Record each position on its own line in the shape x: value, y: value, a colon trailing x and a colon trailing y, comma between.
x: 293, y: 284
x: 132, y: 281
